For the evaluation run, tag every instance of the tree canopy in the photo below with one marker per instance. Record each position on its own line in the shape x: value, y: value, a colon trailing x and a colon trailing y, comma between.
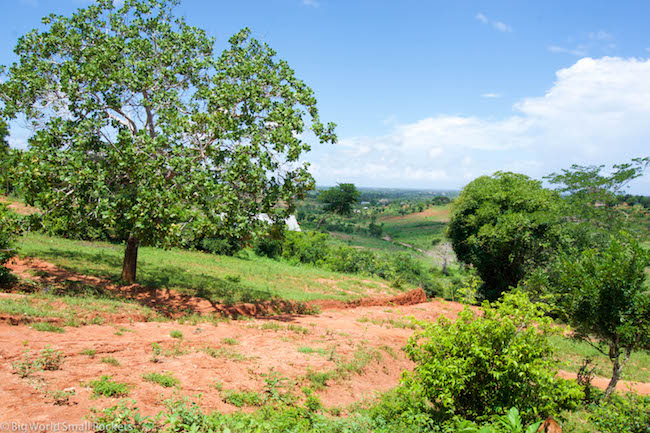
x: 339, y: 200
x: 503, y: 225
x: 142, y: 135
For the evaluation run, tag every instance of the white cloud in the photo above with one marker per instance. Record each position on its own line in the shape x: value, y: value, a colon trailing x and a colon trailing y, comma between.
x: 491, y: 95
x: 596, y: 112
x: 600, y: 42
x: 579, y: 51
x: 502, y: 27
x: 497, y: 25
x: 311, y: 3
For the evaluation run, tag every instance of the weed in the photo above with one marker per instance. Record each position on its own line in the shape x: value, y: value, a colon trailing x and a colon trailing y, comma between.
x: 110, y: 360
x: 105, y: 387
x: 243, y: 398
x: 389, y: 350
x: 230, y: 341
x: 175, y: 333
x: 271, y: 326
x: 47, y: 327
x: 163, y: 379
x: 88, y: 352
x: 155, y: 347
x: 60, y: 397
x: 222, y: 352
x: 47, y: 359
x: 298, y: 329
x: 307, y: 349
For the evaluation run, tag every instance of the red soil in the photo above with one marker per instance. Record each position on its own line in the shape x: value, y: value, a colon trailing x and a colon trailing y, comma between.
x: 340, y: 331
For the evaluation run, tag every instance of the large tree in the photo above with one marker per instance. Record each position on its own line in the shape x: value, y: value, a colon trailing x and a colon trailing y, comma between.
x: 141, y: 133
x: 338, y: 200
x: 504, y: 225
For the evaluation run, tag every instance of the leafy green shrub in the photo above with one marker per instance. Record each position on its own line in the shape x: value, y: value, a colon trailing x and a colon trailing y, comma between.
x: 166, y: 380
x: 481, y: 365
x: 105, y: 387
x: 628, y: 413
x: 243, y: 398
x: 124, y: 417
x: 175, y: 333
x: 9, y: 229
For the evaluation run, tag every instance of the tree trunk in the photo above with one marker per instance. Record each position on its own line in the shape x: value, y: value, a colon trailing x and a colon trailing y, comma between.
x: 129, y: 266
x: 617, y: 369
x: 321, y: 222
x: 616, y: 374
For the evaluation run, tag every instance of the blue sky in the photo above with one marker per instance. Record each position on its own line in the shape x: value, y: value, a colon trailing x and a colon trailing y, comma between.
x: 431, y: 94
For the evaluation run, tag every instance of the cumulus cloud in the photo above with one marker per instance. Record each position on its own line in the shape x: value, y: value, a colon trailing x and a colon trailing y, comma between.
x: 595, y: 113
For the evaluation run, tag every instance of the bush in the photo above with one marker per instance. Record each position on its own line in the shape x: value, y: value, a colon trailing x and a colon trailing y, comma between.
x: 627, y: 413
x: 9, y: 229
x: 482, y: 365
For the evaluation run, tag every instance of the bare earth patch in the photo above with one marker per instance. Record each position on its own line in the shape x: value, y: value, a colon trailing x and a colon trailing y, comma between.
x: 213, y: 357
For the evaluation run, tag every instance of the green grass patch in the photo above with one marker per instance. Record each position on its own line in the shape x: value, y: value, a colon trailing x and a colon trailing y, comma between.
x: 110, y: 360
x: 224, y: 352
x: 166, y: 380
x: 243, y: 398
x: 175, y: 333
x: 47, y: 327
x: 230, y: 341
x: 89, y: 352
x: 572, y: 353
x: 199, y: 274
x: 106, y: 387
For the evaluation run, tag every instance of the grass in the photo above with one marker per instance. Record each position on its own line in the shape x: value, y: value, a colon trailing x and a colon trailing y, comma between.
x: 175, y: 333
x: 389, y: 323
x: 363, y: 356
x: 201, y: 274
x: 308, y: 350
x: 243, y: 398
x: 106, y: 387
x: 572, y: 353
x: 89, y: 352
x: 110, y: 360
x: 223, y: 352
x: 47, y: 327
x: 166, y: 380
x: 230, y: 341
x: 72, y: 303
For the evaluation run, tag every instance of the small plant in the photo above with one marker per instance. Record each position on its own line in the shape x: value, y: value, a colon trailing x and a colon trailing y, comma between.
x: 60, y: 397
x: 50, y: 359
x: 166, y: 380
x: 47, y: 327
x: 47, y: 359
x: 230, y: 341
x: 105, y: 387
x: 271, y: 326
x: 243, y: 398
x: 298, y: 329
x: 89, y: 352
x: 175, y: 333
x: 223, y: 352
x: 25, y: 367
x: 155, y: 347
x: 110, y: 360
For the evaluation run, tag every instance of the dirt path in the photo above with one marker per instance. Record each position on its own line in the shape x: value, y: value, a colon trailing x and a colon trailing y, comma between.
x: 214, y: 357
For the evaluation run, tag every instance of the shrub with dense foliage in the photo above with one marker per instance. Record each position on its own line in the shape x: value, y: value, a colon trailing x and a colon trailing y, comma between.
x: 9, y: 229
x: 312, y: 248
x: 504, y: 225
x: 482, y: 364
